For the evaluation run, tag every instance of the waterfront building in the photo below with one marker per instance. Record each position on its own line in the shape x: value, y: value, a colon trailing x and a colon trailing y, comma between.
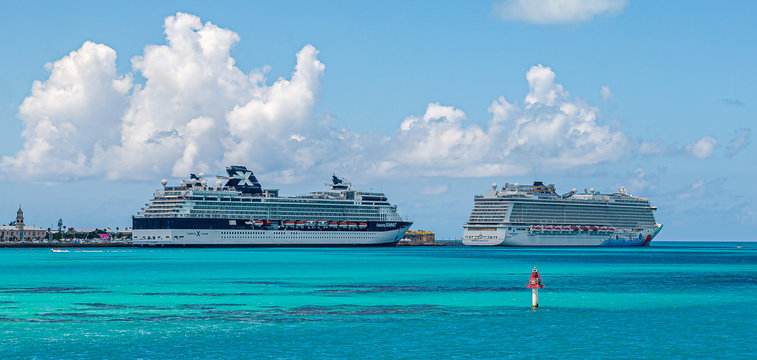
x: 418, y: 237
x: 19, y: 231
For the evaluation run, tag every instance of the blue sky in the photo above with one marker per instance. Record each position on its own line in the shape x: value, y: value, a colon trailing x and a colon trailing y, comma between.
x: 395, y: 96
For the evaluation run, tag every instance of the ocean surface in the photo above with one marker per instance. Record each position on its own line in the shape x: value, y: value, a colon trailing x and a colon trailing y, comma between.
x: 670, y: 300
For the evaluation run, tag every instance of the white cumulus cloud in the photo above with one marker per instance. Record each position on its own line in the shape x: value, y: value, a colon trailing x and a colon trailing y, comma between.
x: 552, y: 132
x: 702, y: 148
x: 196, y: 111
x: 73, y: 115
x: 555, y: 11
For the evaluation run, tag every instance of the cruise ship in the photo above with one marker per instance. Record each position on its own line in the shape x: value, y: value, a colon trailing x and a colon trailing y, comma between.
x: 535, y: 215
x: 241, y: 213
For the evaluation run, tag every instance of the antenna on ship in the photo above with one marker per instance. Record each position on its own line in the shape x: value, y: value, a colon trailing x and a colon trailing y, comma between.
x: 164, y: 182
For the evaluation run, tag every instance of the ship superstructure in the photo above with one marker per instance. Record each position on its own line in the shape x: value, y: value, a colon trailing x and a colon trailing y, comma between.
x: 242, y: 213
x: 535, y: 215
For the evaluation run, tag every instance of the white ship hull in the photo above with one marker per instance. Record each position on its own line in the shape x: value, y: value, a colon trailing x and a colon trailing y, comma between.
x: 503, y: 236
x: 245, y: 238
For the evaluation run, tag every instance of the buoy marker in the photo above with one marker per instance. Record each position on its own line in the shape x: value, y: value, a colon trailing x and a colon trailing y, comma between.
x: 534, y: 283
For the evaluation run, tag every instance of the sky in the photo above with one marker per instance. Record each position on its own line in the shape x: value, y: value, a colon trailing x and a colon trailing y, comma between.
x: 428, y: 101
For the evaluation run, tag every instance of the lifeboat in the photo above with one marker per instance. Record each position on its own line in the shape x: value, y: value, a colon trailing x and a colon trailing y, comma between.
x: 574, y: 228
x: 363, y: 225
x: 322, y: 223
x: 333, y: 225
x: 536, y: 228
x: 611, y: 229
x: 584, y: 228
x: 309, y: 223
x: 593, y: 228
x: 566, y: 227
x: 300, y: 224
x: 352, y: 226
x: 342, y: 225
x: 288, y: 224
x: 257, y: 223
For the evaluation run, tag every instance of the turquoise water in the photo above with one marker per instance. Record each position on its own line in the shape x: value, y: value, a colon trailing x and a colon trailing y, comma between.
x: 671, y: 300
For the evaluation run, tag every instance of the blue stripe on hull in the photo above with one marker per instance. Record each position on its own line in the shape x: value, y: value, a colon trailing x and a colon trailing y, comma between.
x: 389, y: 244
x: 241, y: 224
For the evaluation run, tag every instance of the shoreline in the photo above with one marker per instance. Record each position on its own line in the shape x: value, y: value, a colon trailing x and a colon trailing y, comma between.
x: 64, y: 245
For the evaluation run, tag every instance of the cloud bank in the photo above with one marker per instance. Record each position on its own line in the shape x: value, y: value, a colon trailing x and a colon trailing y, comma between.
x: 556, y: 11
x: 550, y: 132
x: 197, y: 111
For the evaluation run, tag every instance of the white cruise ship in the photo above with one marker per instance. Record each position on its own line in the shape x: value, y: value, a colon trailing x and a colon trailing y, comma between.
x: 535, y: 215
x: 241, y: 213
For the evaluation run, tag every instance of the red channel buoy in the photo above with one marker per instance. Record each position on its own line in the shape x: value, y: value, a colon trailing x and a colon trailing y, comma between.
x: 535, y: 283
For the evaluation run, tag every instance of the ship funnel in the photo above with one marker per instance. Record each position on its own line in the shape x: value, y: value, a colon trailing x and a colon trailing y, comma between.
x: 242, y: 180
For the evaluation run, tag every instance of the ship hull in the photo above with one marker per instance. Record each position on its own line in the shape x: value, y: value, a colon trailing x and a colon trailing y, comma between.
x: 381, y: 234
x: 500, y: 236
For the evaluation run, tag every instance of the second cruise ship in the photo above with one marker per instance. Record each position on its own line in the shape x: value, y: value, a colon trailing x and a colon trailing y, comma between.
x: 242, y: 213
x: 535, y: 215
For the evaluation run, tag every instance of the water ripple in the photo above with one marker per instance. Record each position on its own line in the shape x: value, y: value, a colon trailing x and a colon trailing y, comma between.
x: 52, y: 290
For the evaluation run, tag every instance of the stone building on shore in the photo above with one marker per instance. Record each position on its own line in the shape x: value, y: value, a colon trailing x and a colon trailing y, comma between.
x: 418, y: 238
x: 19, y: 231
